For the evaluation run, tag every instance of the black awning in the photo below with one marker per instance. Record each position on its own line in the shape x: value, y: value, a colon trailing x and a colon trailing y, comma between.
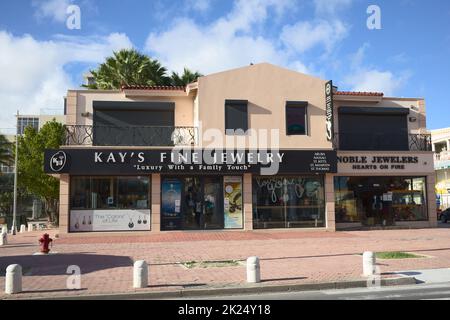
x: 373, y: 110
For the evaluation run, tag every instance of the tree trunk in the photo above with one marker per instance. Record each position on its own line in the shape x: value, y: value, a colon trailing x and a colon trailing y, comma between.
x: 51, y: 208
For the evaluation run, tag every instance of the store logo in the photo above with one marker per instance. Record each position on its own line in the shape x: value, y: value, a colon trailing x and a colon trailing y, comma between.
x: 58, y: 161
x: 329, y: 110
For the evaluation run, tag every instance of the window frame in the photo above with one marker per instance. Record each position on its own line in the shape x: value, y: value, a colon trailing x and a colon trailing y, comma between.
x: 292, y: 105
x: 235, y: 103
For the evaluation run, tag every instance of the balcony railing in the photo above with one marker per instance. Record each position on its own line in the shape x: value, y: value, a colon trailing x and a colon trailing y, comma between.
x: 442, y: 156
x: 382, y: 142
x: 79, y: 135
x: 420, y: 142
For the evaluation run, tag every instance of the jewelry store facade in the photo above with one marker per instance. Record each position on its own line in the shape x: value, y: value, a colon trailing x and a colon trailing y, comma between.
x: 144, y: 159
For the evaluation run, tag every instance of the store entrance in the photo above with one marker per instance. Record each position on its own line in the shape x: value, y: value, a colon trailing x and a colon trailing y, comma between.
x: 202, y: 206
x: 377, y: 207
x: 380, y: 201
x: 192, y: 203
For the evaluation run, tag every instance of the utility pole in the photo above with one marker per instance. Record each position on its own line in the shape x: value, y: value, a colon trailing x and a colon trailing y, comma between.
x: 16, y: 161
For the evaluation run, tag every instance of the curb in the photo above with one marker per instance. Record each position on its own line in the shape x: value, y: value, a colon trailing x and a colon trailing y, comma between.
x: 228, y: 291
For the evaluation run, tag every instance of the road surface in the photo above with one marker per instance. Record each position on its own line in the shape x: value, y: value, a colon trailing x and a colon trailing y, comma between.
x: 415, y: 292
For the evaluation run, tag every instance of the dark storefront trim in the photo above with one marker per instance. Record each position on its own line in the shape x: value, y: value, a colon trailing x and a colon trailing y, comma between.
x: 186, y: 161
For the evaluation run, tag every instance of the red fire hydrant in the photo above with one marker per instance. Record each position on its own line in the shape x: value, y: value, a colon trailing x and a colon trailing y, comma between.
x: 45, y: 242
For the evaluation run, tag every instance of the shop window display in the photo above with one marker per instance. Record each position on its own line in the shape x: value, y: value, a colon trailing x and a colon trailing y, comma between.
x: 102, y: 193
x: 380, y: 200
x: 288, y: 202
x: 101, y: 204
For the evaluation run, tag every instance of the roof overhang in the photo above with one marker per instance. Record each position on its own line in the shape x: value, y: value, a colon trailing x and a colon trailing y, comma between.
x: 361, y: 98
x: 153, y: 93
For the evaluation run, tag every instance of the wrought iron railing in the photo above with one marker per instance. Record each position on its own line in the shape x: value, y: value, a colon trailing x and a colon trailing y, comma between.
x: 78, y: 135
x: 420, y: 142
x: 382, y: 142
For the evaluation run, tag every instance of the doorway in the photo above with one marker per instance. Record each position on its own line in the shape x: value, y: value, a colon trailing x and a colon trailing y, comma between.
x: 378, y: 211
x: 197, y: 205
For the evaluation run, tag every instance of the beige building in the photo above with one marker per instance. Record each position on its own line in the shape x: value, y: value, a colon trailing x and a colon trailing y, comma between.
x: 259, y: 147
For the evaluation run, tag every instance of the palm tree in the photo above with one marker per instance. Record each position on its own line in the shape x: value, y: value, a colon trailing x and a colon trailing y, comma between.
x: 5, y: 151
x: 186, y: 78
x: 128, y: 67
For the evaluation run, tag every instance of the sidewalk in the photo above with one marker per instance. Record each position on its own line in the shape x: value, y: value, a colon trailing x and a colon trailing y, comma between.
x: 287, y: 258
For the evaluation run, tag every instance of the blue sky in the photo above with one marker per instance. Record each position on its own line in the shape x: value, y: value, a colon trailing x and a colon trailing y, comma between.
x: 40, y: 58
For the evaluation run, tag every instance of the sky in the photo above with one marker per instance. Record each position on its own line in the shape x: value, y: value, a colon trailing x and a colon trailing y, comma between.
x: 41, y: 58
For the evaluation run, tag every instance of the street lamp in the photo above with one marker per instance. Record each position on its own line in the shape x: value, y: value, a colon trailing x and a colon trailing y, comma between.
x: 16, y: 161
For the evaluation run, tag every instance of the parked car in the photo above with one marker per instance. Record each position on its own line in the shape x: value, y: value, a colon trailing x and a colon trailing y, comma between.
x: 445, y: 216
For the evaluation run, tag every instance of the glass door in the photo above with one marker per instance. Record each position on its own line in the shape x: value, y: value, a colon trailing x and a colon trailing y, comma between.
x: 213, y: 210
x: 192, y: 204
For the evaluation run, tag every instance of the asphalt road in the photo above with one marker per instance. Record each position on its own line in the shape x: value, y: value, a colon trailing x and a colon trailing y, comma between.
x: 414, y: 292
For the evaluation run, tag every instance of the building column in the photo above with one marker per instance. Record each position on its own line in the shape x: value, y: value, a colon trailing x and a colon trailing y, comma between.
x: 329, y: 203
x: 448, y: 145
x: 64, y: 200
x: 431, y: 196
x: 156, y: 203
x: 248, y: 202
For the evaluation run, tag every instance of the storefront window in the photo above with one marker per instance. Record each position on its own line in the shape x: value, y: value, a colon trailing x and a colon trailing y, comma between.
x: 288, y: 202
x: 133, y: 193
x: 201, y: 203
x: 103, y: 193
x: 380, y: 200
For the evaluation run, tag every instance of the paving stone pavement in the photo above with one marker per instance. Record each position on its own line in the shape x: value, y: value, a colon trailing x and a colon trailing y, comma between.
x: 292, y: 257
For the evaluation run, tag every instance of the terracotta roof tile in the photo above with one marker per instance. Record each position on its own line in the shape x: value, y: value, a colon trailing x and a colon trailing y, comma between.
x: 355, y: 93
x: 155, y: 88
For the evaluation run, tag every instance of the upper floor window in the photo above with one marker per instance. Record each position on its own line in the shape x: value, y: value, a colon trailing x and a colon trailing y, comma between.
x: 236, y: 116
x: 296, y: 118
x: 23, y: 123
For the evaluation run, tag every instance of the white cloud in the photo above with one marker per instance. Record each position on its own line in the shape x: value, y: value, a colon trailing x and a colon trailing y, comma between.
x: 199, y: 5
x: 53, y: 9
x: 367, y: 78
x: 217, y: 49
x: 305, y: 35
x: 33, y: 75
x: 237, y: 39
x: 375, y: 80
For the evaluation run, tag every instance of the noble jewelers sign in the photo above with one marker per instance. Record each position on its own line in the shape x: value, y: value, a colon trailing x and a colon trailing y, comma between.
x: 348, y: 163
x: 125, y: 162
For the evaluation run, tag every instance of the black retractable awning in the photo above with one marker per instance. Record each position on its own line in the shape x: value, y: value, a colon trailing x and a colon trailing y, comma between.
x: 374, y: 110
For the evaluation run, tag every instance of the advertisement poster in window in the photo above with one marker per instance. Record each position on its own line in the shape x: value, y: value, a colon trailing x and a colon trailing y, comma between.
x: 233, y: 202
x: 109, y: 220
x: 171, y: 204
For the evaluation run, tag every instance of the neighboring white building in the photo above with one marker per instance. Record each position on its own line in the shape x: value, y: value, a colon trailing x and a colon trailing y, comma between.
x: 37, y: 122
x: 441, y: 147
